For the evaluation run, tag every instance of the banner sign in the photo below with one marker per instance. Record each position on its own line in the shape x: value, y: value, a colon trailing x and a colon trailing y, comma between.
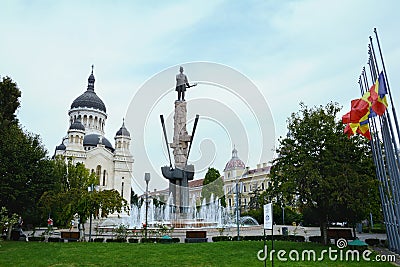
x: 268, y: 216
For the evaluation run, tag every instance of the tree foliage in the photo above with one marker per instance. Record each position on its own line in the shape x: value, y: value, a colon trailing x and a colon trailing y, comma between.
x: 7, y: 221
x: 213, y: 185
x: 71, y: 197
x: 320, y: 169
x: 25, y: 170
x: 9, y: 102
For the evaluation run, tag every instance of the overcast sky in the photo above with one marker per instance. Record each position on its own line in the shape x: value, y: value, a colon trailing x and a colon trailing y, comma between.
x: 311, y: 51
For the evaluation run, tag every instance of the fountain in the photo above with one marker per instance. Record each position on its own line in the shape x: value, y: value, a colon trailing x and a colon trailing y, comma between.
x: 208, y: 215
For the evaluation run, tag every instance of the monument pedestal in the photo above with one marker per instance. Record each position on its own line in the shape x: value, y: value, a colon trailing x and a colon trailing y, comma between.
x: 180, y: 143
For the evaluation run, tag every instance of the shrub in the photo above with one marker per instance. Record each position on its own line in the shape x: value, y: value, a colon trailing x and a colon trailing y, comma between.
x: 235, y: 238
x: 36, y: 238
x: 53, y: 239
x: 315, y: 239
x: 133, y: 240
x: 116, y: 240
x: 378, y: 231
x: 221, y: 238
x: 176, y: 240
x: 253, y: 237
x: 149, y: 240
x: 372, y: 241
x: 99, y: 239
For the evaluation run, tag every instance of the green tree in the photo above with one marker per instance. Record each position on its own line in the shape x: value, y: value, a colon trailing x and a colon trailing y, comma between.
x: 9, y: 102
x: 7, y: 221
x: 25, y: 170
x: 213, y: 184
x: 71, y: 196
x: 321, y: 170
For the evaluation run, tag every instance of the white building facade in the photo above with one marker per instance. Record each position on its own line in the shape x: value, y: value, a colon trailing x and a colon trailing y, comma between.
x: 249, y: 181
x: 86, y: 143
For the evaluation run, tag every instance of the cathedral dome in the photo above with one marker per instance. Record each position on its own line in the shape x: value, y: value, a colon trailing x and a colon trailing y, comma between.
x: 61, y: 146
x: 92, y: 140
x: 89, y: 99
x: 234, y: 162
x: 123, y: 131
x: 77, y: 125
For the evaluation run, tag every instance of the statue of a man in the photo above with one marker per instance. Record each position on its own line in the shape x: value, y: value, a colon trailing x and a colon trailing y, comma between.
x: 181, y: 84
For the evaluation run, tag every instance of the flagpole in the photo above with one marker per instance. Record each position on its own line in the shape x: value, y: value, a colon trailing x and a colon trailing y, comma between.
x: 390, y: 214
x: 393, y: 170
x: 265, y: 258
x: 378, y: 163
x: 386, y: 81
x: 391, y: 143
x: 272, y: 234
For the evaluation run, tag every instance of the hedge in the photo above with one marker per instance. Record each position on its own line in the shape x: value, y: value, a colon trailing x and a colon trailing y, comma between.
x: 221, y: 238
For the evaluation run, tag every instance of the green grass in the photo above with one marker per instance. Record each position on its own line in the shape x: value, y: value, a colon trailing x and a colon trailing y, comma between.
x: 242, y: 253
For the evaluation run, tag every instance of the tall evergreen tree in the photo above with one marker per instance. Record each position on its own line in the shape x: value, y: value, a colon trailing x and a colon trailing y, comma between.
x: 25, y: 171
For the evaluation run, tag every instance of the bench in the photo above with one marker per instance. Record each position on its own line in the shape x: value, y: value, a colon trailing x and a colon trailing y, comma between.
x: 340, y: 233
x: 196, y: 236
x: 70, y: 236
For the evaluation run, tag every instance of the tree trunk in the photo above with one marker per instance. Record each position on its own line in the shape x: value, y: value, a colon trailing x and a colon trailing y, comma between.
x: 81, y: 226
x: 324, y: 233
x: 9, y: 231
x: 354, y: 231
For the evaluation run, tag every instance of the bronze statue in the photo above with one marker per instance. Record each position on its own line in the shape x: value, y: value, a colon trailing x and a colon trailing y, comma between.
x: 181, y: 84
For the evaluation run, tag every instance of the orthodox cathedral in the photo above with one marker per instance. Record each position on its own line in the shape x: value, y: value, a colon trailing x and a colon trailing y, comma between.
x: 85, y: 143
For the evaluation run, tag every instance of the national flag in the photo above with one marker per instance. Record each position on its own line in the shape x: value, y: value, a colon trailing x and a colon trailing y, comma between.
x: 346, y: 118
x: 360, y: 128
x: 359, y: 108
x: 348, y: 130
x: 382, y: 90
x: 378, y: 93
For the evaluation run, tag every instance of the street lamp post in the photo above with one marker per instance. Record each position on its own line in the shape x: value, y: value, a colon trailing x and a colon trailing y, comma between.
x: 238, y: 188
x: 147, y: 179
x: 90, y: 189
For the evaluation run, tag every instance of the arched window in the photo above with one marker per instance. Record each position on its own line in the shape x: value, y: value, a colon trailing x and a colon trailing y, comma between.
x: 98, y: 171
x: 104, y: 177
x: 122, y: 189
x: 230, y: 202
x: 244, y: 188
x: 85, y: 120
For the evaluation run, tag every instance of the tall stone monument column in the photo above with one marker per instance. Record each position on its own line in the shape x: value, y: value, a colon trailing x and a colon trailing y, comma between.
x: 180, y: 175
x: 180, y: 144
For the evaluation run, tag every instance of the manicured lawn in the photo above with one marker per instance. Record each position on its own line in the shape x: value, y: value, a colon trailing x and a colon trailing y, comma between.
x: 242, y: 253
